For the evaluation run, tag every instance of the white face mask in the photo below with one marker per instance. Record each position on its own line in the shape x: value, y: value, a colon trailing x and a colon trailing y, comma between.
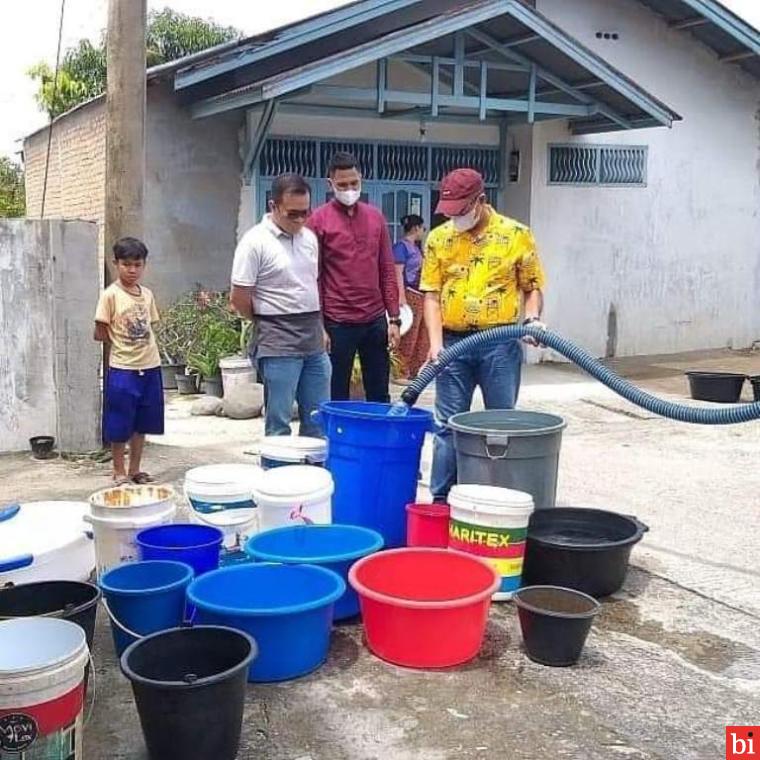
x: 467, y: 221
x: 348, y: 197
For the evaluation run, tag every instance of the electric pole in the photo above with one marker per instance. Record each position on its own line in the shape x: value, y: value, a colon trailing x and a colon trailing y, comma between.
x: 125, y: 120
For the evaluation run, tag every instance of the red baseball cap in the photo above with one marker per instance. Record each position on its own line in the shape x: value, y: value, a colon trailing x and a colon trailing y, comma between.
x: 458, y: 189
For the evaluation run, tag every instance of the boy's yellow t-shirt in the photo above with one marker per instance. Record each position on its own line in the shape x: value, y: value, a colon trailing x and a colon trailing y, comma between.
x: 129, y: 319
x: 480, y: 277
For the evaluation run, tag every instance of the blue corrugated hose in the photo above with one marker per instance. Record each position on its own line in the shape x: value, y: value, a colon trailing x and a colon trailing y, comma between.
x: 698, y: 415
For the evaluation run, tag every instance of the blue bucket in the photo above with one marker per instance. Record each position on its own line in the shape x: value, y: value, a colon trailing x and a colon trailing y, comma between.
x: 195, y: 545
x: 335, y: 547
x: 144, y: 597
x: 374, y: 459
x: 288, y: 609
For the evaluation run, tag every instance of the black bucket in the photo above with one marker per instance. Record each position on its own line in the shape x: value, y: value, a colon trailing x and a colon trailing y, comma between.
x: 583, y: 549
x: 719, y: 387
x: 555, y: 622
x: 71, y: 600
x: 755, y: 386
x: 189, y: 687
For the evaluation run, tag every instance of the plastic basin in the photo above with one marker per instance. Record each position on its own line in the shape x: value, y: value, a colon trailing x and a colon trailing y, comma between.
x: 335, y: 547
x: 288, y: 609
x: 718, y: 387
x: 195, y: 545
x: 422, y: 607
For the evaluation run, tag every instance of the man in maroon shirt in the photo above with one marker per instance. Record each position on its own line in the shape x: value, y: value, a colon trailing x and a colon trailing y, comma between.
x: 358, y: 284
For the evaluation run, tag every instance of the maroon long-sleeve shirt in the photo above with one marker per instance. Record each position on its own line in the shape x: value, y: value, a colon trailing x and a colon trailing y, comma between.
x: 357, y: 277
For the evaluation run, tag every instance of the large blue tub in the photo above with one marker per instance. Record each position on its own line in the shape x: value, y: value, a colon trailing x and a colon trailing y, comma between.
x: 374, y: 459
x: 288, y: 609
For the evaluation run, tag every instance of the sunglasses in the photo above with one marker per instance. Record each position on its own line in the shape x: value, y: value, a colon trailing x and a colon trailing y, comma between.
x: 296, y: 216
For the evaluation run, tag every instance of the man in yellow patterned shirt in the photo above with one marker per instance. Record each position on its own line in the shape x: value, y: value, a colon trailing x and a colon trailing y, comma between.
x: 481, y: 270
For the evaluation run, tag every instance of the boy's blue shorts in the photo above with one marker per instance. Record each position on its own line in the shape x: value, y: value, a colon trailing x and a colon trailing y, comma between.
x: 133, y: 403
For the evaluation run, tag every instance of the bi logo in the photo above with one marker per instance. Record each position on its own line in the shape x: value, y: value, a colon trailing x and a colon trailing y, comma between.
x: 742, y: 742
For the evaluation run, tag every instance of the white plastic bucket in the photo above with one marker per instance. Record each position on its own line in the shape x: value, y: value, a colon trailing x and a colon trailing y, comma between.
x: 294, y: 495
x: 222, y: 495
x: 115, y: 536
x: 282, y: 450
x: 132, y: 502
x: 236, y: 370
x: 42, y: 671
x: 492, y: 524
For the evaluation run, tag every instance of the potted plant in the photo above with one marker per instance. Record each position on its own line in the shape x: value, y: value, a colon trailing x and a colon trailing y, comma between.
x: 217, y: 335
x: 174, y: 335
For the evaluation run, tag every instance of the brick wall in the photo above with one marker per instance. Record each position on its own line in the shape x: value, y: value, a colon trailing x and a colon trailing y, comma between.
x: 76, y: 178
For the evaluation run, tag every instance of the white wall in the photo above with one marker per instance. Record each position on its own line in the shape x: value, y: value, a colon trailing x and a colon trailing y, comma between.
x: 517, y: 195
x: 679, y: 260
x: 49, y: 281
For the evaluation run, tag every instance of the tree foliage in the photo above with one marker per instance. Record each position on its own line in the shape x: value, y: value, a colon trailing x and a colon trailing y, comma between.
x: 82, y: 73
x: 12, y: 202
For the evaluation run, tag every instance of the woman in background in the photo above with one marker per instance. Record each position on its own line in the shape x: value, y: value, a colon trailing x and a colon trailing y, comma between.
x: 408, y: 257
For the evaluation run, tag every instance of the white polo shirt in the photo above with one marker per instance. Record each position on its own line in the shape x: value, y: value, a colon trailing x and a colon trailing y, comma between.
x: 283, y: 270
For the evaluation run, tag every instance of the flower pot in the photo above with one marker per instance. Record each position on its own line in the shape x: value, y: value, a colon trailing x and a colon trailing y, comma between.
x: 42, y: 446
x: 186, y: 384
x: 212, y: 386
x: 169, y: 374
x: 236, y: 370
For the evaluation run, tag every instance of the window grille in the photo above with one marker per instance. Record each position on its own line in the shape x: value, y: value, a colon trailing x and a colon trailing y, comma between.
x: 610, y: 165
x: 389, y: 162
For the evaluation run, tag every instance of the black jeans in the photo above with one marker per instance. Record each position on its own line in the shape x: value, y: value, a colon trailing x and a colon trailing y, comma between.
x: 371, y: 342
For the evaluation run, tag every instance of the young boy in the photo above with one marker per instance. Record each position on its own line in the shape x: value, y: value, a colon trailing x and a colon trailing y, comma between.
x: 133, y: 404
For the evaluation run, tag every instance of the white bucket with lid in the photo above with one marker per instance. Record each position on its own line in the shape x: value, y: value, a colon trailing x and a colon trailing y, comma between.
x: 118, y: 514
x: 42, y: 671
x: 294, y: 495
x: 282, y: 450
x: 492, y: 523
x: 222, y: 495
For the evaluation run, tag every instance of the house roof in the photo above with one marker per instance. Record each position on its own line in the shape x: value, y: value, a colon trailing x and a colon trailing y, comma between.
x: 730, y: 36
x: 534, y: 69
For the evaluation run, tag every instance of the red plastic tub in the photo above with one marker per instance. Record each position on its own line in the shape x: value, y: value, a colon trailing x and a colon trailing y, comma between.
x: 427, y: 525
x: 422, y: 607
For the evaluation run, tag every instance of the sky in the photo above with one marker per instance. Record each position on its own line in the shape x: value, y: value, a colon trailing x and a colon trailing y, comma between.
x: 29, y: 31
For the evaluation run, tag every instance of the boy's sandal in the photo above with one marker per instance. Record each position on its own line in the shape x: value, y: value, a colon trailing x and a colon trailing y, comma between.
x: 141, y: 478
x: 121, y: 480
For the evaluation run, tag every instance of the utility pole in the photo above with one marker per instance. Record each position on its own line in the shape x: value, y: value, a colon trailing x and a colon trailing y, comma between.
x: 125, y: 120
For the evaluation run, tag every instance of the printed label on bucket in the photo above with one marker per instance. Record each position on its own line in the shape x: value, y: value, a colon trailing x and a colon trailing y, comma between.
x: 40, y: 736
x: 485, y: 541
x: 503, y: 548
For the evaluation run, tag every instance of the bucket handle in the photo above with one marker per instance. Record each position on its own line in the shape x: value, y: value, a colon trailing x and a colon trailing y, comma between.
x: 497, y: 441
x: 118, y: 623
x: 8, y: 511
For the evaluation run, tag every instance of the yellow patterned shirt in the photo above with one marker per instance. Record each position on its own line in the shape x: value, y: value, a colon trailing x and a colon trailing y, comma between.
x: 480, y: 277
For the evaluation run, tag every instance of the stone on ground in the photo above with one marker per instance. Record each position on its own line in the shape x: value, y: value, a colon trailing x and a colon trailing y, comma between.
x: 244, y: 402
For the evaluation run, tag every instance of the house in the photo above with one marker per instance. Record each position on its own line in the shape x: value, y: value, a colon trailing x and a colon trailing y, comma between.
x: 625, y: 132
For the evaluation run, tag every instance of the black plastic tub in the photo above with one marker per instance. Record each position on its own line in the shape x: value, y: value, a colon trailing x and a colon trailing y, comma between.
x: 70, y: 600
x: 755, y: 386
x: 719, y: 387
x: 583, y: 549
x: 189, y: 688
x: 555, y: 622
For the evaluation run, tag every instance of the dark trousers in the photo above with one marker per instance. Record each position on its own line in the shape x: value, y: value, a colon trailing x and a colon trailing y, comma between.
x: 370, y: 341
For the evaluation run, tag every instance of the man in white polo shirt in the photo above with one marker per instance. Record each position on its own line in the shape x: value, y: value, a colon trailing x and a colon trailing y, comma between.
x: 274, y: 283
